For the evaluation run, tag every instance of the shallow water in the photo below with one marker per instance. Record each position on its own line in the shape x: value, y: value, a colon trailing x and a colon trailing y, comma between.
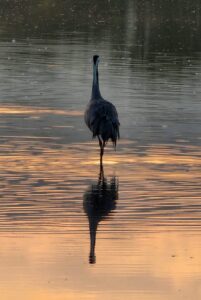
x: 142, y: 217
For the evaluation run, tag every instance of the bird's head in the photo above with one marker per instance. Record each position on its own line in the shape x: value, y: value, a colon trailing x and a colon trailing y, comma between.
x: 96, y: 59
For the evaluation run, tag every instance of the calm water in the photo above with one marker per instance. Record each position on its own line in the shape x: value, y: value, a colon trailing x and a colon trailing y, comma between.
x: 66, y: 231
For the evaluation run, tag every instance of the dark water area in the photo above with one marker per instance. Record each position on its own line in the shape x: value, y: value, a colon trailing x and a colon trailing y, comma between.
x: 69, y: 230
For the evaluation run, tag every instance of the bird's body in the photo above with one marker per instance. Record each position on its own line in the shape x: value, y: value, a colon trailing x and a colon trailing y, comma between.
x: 101, y: 115
x: 102, y: 119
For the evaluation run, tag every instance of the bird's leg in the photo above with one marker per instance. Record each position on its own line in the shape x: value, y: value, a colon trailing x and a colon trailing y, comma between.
x: 101, y: 153
x: 101, y: 157
x: 101, y: 174
x: 101, y: 150
x: 103, y: 146
x: 100, y: 142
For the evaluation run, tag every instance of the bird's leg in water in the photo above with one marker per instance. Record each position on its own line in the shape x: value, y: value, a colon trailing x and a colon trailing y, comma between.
x: 102, y: 146
x: 101, y: 150
x: 101, y: 153
x: 101, y: 173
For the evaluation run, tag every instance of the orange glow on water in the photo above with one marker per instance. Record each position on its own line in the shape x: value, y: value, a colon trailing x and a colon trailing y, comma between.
x: 147, y: 248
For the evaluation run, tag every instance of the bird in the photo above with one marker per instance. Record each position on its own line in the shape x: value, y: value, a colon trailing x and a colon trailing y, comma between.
x: 98, y: 202
x: 101, y: 116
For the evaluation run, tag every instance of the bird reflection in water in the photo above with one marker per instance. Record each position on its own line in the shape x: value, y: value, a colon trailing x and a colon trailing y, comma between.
x: 98, y: 201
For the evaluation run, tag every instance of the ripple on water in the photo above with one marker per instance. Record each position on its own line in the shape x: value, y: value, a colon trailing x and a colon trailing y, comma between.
x: 159, y: 187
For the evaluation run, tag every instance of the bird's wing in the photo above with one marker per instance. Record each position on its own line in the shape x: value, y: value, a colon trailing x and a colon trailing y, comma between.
x: 102, y: 110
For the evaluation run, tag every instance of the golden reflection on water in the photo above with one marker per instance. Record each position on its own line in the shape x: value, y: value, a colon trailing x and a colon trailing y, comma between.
x: 29, y: 110
x: 147, y: 244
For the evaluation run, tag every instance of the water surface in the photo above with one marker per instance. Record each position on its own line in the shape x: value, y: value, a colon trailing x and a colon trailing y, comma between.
x: 67, y: 231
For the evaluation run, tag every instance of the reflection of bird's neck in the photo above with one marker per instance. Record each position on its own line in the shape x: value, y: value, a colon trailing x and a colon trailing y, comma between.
x: 95, y: 85
x: 93, y: 228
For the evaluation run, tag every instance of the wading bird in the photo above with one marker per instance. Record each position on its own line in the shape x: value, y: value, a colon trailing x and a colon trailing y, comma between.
x: 101, y: 116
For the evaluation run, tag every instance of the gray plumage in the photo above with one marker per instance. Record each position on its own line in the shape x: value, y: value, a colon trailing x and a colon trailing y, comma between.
x: 101, y: 116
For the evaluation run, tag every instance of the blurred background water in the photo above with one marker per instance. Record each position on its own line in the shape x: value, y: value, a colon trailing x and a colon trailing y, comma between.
x: 145, y: 213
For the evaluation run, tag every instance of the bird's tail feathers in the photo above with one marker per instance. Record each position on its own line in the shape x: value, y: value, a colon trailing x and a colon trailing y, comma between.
x: 106, y: 130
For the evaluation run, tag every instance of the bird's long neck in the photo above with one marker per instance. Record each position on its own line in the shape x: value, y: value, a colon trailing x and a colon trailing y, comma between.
x: 95, y: 85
